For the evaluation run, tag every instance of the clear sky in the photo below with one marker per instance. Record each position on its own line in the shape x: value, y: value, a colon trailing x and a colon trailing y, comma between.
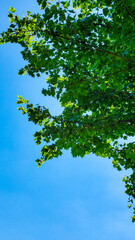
x: 66, y: 198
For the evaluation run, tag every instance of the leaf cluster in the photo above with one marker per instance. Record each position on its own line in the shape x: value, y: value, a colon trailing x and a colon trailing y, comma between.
x: 87, y: 50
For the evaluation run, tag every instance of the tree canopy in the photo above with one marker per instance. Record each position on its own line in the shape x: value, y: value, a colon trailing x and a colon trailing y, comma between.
x: 86, y: 49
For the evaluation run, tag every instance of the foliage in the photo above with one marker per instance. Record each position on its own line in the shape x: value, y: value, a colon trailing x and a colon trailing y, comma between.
x: 87, y: 50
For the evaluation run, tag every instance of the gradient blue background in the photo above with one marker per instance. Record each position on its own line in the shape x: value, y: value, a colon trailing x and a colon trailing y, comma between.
x: 66, y: 198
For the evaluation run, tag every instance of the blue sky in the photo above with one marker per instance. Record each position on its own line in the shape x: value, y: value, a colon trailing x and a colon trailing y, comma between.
x: 66, y: 198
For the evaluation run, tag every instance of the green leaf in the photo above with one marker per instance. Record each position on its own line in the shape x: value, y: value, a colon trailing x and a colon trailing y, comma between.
x: 105, y: 11
x: 12, y: 10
